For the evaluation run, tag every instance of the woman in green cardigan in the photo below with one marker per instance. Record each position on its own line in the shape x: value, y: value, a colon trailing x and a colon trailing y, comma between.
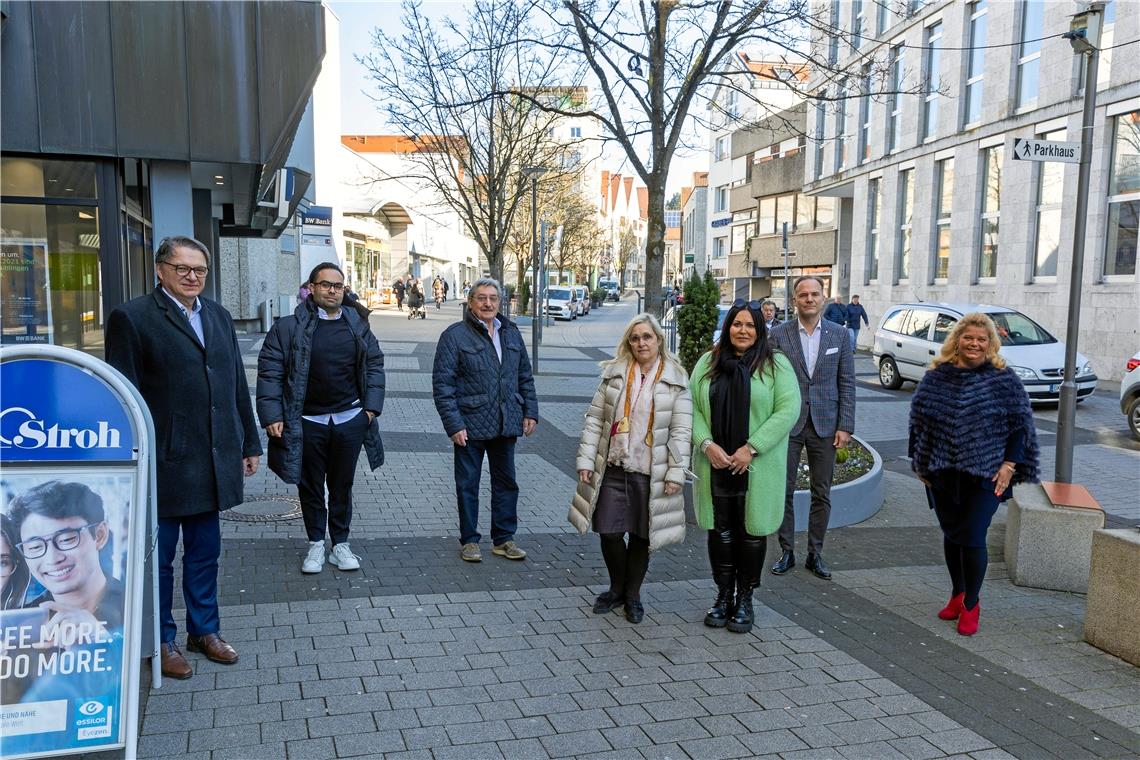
x: 745, y: 401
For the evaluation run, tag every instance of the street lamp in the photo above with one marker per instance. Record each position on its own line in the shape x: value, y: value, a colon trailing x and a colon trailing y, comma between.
x: 535, y: 326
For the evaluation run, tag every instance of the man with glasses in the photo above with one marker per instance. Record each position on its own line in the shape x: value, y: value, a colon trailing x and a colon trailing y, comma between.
x: 320, y: 387
x: 62, y: 528
x: 484, y: 393
x: 768, y: 309
x: 821, y: 355
x: 180, y: 350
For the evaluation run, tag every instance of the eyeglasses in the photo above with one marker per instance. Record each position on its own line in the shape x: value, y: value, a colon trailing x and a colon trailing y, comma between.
x: 483, y: 298
x: 64, y: 540
x: 184, y: 271
x: 642, y: 338
x: 335, y: 287
x: 740, y: 303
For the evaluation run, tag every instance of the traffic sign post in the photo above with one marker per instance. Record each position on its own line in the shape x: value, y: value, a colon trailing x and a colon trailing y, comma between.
x: 79, y: 524
x: 1025, y: 149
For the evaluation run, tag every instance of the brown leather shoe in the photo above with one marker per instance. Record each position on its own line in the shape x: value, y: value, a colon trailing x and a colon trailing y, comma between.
x: 214, y: 647
x: 174, y: 665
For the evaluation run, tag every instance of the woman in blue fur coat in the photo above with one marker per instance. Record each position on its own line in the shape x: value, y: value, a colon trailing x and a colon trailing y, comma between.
x: 971, y: 439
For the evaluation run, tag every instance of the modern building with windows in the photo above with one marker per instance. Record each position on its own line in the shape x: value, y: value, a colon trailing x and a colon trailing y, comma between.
x: 694, y: 225
x: 933, y: 206
x: 123, y: 123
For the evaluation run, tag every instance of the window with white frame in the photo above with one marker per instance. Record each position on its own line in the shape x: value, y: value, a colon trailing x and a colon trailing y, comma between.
x: 1123, y: 196
x: 1050, y: 188
x: 882, y: 16
x: 930, y: 80
x: 824, y: 212
x: 1029, y: 52
x: 575, y: 131
x: 894, y: 100
x: 833, y: 41
x: 857, y: 22
x: 720, y: 198
x: 991, y: 210
x: 874, y: 213
x: 976, y: 62
x: 1107, y: 36
x: 865, y: 115
x: 906, y: 218
x: 720, y: 247
x: 943, y: 204
x: 841, y: 126
x: 720, y: 150
x: 820, y: 116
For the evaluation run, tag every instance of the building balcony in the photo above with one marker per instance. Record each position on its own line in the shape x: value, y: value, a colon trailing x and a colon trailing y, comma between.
x: 808, y: 249
x: 778, y: 175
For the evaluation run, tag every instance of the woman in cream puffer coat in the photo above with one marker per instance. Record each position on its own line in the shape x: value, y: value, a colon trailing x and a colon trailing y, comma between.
x: 632, y: 460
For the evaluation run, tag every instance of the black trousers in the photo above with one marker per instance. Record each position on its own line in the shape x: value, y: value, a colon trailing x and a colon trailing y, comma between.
x: 736, y: 555
x: 821, y: 464
x: 329, y: 456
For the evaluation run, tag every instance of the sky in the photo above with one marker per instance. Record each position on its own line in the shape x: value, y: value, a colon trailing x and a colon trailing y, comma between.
x: 359, y: 114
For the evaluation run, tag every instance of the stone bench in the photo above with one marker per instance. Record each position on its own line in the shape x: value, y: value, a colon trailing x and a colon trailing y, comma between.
x: 1112, y: 612
x: 1049, y: 545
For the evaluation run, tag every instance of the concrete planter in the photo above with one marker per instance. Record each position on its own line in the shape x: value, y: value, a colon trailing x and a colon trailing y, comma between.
x: 851, y: 502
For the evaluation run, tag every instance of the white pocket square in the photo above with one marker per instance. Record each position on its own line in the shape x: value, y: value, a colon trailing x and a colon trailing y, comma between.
x: 831, y: 351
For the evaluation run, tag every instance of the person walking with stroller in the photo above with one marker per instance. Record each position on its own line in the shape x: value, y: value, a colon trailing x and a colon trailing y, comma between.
x: 415, y: 296
x: 632, y: 459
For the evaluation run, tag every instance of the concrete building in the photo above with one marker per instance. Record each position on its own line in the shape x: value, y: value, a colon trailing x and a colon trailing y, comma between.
x: 694, y: 224
x: 932, y: 203
x: 124, y: 123
x: 625, y: 211
x: 749, y: 90
x: 773, y: 150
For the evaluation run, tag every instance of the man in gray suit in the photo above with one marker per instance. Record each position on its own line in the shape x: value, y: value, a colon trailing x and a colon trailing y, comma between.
x: 821, y: 353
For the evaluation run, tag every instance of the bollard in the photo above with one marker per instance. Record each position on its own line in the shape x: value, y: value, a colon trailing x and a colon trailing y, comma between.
x: 266, y: 310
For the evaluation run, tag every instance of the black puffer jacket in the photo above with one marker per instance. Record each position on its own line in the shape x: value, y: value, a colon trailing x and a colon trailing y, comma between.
x: 283, y: 377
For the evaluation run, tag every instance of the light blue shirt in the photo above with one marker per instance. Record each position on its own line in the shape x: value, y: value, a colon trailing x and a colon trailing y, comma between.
x: 336, y: 418
x: 194, y: 316
x: 810, y: 345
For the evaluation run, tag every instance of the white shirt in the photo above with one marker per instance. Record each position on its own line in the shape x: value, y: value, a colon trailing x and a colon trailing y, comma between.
x: 494, y: 330
x: 193, y: 316
x: 810, y: 345
x: 336, y: 418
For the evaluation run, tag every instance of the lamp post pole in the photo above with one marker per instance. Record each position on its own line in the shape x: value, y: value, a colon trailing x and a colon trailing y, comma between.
x: 535, y: 337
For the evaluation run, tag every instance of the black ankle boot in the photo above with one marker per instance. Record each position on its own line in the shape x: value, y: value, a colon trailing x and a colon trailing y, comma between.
x: 719, y: 613
x: 742, y: 617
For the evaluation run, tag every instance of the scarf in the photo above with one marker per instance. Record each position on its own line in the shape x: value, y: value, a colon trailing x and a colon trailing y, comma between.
x: 630, y: 447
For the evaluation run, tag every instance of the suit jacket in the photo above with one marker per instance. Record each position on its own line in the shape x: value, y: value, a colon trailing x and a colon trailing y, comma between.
x: 198, y: 397
x: 827, y: 397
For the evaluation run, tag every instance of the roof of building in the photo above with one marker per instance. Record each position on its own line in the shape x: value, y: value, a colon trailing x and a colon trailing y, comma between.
x: 400, y: 143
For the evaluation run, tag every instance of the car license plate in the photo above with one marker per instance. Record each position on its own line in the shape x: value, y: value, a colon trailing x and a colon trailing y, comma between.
x: 1053, y: 388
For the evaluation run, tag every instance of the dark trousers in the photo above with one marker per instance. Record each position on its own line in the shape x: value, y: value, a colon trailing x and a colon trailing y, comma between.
x: 736, y: 555
x: 329, y: 456
x: 504, y: 490
x: 201, y: 547
x: 821, y: 464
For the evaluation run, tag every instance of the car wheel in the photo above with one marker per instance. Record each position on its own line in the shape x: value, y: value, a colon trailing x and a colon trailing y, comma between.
x: 889, y: 376
x: 1134, y: 417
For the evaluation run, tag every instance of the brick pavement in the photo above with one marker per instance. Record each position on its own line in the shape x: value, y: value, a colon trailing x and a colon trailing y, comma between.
x: 420, y: 655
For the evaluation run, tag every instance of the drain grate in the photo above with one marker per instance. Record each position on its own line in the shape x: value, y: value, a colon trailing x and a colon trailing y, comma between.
x: 265, y: 509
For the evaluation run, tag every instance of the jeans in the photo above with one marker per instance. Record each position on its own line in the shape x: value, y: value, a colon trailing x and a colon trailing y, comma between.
x: 201, y: 547
x: 329, y: 455
x: 504, y: 490
x: 854, y: 333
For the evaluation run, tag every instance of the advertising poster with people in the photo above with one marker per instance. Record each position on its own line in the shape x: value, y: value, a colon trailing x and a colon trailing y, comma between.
x: 64, y: 558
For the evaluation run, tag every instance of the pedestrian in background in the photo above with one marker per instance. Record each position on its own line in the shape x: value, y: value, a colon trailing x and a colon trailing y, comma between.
x: 632, y: 459
x: 820, y: 353
x: 303, y: 291
x: 855, y: 314
x: 320, y: 388
x: 181, y: 351
x: 836, y: 312
x: 768, y: 308
x: 972, y: 438
x: 398, y: 288
x: 484, y: 393
x: 745, y: 401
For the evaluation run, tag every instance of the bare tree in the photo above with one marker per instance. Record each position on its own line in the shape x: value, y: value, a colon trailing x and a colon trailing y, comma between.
x: 447, y: 86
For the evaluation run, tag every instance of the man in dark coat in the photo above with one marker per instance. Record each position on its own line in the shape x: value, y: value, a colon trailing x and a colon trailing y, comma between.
x: 836, y: 312
x: 180, y: 350
x: 855, y: 314
x: 484, y: 393
x: 320, y: 388
x: 398, y: 289
x: 820, y: 352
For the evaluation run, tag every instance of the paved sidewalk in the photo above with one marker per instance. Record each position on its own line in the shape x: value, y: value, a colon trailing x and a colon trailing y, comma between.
x: 420, y: 655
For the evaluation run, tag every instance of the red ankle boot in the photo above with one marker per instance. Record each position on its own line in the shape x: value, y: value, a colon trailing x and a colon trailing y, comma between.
x: 953, y: 608
x: 968, y: 620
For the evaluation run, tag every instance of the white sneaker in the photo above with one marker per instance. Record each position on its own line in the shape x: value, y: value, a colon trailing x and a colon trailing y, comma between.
x: 343, y: 558
x: 315, y: 559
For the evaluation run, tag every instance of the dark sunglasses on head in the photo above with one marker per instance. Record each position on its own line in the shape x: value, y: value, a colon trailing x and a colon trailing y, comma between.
x: 740, y: 303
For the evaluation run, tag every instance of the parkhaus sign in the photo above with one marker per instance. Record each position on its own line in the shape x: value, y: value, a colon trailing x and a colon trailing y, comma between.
x: 1025, y: 149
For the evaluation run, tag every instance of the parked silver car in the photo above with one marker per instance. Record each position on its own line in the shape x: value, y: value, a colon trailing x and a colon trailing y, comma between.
x: 1130, y: 394
x: 910, y: 335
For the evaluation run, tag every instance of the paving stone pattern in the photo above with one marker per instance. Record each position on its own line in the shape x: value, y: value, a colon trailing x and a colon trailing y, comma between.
x: 420, y: 655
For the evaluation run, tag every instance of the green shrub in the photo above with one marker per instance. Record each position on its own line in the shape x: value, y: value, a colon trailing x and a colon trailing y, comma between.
x: 524, y: 297
x: 696, y: 319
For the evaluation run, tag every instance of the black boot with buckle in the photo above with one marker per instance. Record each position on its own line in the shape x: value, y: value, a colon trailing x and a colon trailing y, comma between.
x: 724, y: 574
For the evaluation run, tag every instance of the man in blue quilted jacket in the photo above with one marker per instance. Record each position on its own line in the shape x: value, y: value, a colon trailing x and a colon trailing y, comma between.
x: 484, y: 393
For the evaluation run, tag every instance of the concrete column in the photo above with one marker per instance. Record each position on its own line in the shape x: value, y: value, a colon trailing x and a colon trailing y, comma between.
x: 172, y: 199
